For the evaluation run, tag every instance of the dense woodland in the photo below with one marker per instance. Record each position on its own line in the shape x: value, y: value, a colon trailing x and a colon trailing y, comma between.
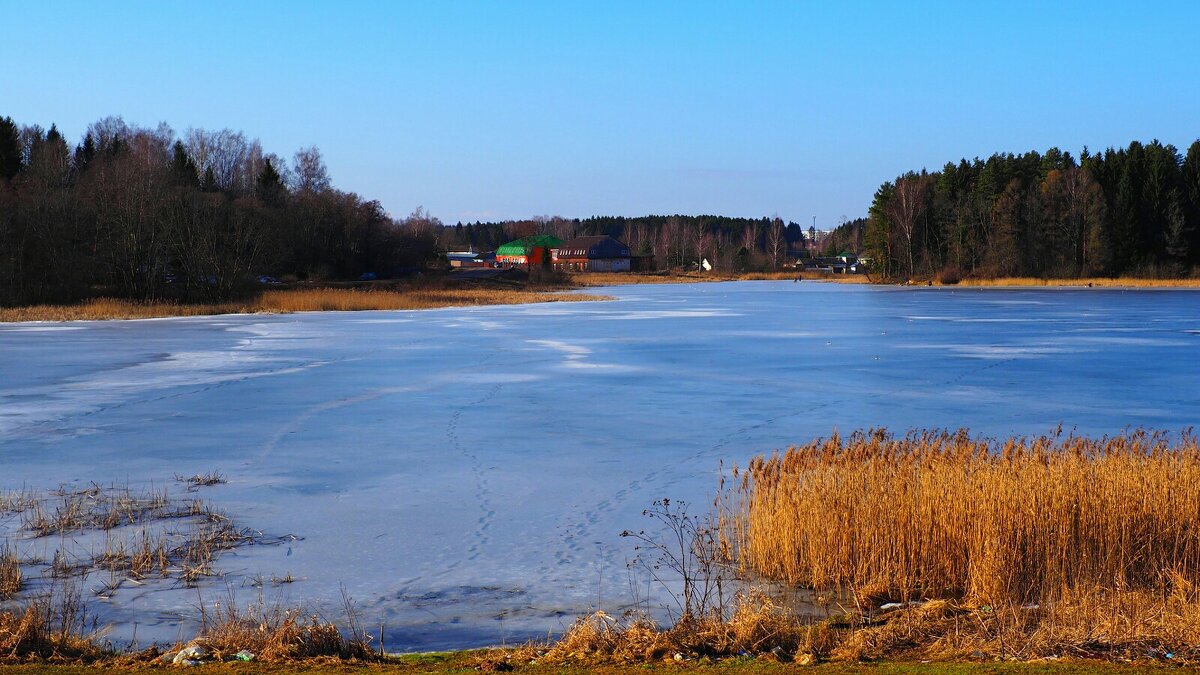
x: 142, y: 213
x: 1132, y: 211
x: 729, y: 244
x: 146, y: 213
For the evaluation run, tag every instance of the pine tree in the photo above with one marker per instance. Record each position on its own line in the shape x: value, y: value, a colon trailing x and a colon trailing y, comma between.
x: 1190, y: 182
x: 10, y: 148
x: 269, y: 186
x: 84, y: 153
x: 1178, y: 235
x: 183, y: 169
x: 209, y: 184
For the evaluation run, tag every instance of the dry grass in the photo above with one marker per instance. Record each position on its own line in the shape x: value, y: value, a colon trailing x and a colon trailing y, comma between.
x: 10, y: 572
x: 51, y: 626
x: 937, y: 514
x: 134, y: 535
x: 1125, y: 282
x: 330, y: 299
x: 200, y: 480
x: 1029, y: 547
x: 278, y: 634
x: 302, y: 300
x: 678, y: 277
x: 756, y: 627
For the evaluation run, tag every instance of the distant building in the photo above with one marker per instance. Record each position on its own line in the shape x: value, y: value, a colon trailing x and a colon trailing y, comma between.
x: 838, y: 264
x: 465, y: 259
x: 535, y: 250
x: 593, y: 254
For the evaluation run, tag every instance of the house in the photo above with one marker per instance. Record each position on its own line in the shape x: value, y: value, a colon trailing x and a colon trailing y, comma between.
x: 593, y: 254
x: 535, y: 250
x: 465, y: 259
x: 838, y: 264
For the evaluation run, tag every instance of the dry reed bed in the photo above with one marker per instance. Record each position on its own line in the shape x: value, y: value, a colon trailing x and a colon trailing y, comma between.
x: 1097, y: 282
x: 416, y: 298
x: 678, y: 277
x: 274, y: 633
x: 127, y: 535
x: 54, y: 627
x: 302, y: 300
x: 756, y: 627
x: 940, y: 545
x: 1041, y: 544
x: 119, y: 534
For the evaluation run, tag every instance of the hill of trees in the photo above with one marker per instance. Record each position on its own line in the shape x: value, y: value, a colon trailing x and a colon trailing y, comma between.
x: 1131, y: 211
x: 141, y: 213
x: 145, y: 213
x: 729, y: 244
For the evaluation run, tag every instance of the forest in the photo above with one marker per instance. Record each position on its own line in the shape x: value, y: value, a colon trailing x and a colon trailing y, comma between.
x: 1131, y: 211
x: 677, y: 241
x: 144, y: 213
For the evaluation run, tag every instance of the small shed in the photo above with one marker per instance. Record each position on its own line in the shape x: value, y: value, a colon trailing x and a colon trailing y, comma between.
x: 535, y: 250
x: 593, y: 254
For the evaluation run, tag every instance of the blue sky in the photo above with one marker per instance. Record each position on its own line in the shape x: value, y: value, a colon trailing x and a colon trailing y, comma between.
x: 496, y: 110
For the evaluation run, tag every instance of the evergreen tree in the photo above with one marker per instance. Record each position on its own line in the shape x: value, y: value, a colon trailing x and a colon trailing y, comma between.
x: 85, y: 152
x: 1190, y: 198
x: 1178, y: 234
x: 209, y: 183
x: 183, y: 169
x: 269, y: 185
x: 879, y: 237
x: 10, y: 148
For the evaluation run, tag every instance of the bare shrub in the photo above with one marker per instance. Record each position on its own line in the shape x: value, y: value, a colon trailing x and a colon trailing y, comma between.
x: 10, y: 572
x: 273, y: 633
x: 52, y: 625
x: 949, y: 276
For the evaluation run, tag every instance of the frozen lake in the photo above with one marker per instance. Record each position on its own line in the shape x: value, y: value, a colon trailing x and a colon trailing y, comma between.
x: 464, y: 473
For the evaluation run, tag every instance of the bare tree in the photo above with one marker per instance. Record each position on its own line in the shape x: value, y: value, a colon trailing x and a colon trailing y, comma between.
x: 310, y: 174
x: 701, y: 241
x: 906, y: 209
x: 108, y: 131
x: 421, y: 223
x: 556, y: 226
x: 750, y: 236
x: 672, y: 234
x: 235, y: 162
x: 776, y: 242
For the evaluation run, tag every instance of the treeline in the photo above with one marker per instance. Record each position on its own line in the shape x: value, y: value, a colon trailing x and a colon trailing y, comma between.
x: 849, y: 237
x: 729, y: 244
x: 1131, y: 211
x: 141, y: 213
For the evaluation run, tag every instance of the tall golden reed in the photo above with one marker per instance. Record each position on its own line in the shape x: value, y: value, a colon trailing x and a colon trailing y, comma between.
x: 299, y: 300
x: 946, y: 515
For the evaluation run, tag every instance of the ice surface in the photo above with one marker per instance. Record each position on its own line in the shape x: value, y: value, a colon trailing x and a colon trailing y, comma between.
x: 464, y: 473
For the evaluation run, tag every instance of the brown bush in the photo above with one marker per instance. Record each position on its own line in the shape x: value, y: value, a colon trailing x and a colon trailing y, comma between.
x: 279, y: 634
x: 949, y: 276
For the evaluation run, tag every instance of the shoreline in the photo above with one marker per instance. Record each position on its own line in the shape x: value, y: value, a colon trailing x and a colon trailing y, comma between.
x: 494, y: 661
x: 446, y: 294
x: 297, y: 300
x: 1087, y: 282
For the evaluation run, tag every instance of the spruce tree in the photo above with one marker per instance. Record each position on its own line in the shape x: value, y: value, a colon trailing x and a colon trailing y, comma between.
x: 85, y: 152
x: 269, y: 185
x: 183, y: 169
x: 10, y: 148
x: 209, y: 184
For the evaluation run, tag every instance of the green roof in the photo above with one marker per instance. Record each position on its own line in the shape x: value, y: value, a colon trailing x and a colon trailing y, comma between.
x: 523, y: 245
